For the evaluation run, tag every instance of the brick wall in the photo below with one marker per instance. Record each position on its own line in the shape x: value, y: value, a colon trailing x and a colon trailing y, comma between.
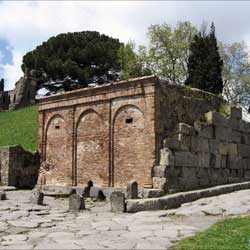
x: 105, y: 134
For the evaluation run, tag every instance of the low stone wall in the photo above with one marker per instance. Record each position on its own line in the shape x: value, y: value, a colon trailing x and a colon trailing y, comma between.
x: 18, y: 167
x: 215, y: 151
x: 176, y: 200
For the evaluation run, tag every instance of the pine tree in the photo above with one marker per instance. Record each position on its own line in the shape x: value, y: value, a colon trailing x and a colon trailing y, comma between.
x: 204, y: 63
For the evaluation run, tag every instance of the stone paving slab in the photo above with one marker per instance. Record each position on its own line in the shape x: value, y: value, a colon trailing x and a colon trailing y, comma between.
x: 54, y: 227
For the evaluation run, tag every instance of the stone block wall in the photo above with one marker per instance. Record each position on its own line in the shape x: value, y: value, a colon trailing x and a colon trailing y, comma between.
x: 214, y: 151
x: 18, y: 167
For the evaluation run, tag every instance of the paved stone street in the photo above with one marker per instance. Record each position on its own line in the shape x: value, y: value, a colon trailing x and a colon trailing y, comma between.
x: 27, y: 226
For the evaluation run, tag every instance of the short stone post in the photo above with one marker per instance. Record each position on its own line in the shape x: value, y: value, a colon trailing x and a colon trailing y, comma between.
x: 76, y: 202
x: 36, y: 197
x: 117, y: 202
x: 100, y: 196
x: 132, y: 190
x: 2, y: 196
x: 86, y: 191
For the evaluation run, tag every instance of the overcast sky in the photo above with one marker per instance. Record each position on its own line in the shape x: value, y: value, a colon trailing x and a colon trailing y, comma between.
x: 24, y: 25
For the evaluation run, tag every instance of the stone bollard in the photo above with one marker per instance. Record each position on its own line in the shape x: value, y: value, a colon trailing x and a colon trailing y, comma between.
x: 117, y: 202
x: 76, y: 202
x: 2, y: 196
x: 36, y: 197
x: 100, y: 196
x: 132, y: 190
x: 86, y: 191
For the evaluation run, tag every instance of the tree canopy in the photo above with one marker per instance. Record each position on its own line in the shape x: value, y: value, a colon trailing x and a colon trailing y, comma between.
x: 204, y: 63
x: 84, y: 56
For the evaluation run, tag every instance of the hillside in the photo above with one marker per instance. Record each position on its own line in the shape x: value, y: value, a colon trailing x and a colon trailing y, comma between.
x: 20, y: 127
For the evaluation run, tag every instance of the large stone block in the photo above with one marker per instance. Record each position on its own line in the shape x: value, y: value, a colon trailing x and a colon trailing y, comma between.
x: 160, y: 171
x: 228, y: 149
x: 247, y: 163
x: 205, y: 130
x: 223, y: 133
x: 186, y: 129
x: 214, y: 146
x: 244, y: 150
x: 215, y: 160
x: 172, y: 143
x: 236, y: 136
x: 117, y: 202
x: 186, y: 159
x: 224, y: 161
x: 160, y: 183
x: 132, y: 190
x: 185, y: 142
x: 235, y: 124
x: 203, y: 159
x: 217, y: 119
x: 235, y: 162
x: 236, y: 113
x: 166, y: 157
x: 199, y: 144
x: 188, y: 178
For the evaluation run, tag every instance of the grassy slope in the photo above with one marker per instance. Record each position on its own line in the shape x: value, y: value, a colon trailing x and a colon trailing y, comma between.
x: 20, y: 127
x: 231, y: 234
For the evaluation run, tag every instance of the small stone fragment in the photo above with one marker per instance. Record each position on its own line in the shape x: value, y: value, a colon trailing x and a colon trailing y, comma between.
x: 2, y: 195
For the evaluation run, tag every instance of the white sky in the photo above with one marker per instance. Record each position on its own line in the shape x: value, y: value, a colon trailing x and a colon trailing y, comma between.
x: 27, y: 24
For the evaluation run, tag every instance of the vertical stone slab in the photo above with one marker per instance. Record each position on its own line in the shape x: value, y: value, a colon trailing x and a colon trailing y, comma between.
x: 117, y: 201
x: 76, y: 202
x: 36, y: 197
x: 132, y: 190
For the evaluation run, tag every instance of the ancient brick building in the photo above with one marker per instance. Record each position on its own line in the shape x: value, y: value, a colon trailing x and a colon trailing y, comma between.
x: 113, y: 133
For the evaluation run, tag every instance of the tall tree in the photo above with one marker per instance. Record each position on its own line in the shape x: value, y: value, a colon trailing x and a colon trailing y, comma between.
x: 204, y: 63
x: 84, y: 56
x: 166, y: 56
x: 236, y: 72
x: 169, y: 50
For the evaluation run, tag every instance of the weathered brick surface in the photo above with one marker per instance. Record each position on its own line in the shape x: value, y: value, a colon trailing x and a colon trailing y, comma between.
x: 104, y: 134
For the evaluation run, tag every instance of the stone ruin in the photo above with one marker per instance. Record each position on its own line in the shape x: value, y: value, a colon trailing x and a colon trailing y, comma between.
x: 165, y: 137
x: 22, y: 95
x: 18, y: 167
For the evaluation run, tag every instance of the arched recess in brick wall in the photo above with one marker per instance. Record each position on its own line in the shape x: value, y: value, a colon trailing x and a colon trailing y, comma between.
x: 91, y: 150
x: 128, y: 146
x: 56, y: 152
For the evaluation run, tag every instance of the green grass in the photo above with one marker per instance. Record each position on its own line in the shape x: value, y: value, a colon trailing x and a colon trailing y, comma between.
x: 230, y: 234
x: 20, y: 127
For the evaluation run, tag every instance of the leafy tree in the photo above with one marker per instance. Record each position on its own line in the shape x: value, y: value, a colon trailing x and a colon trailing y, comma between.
x: 204, y: 63
x: 132, y: 63
x: 236, y: 72
x: 169, y: 50
x: 166, y: 56
x: 83, y: 56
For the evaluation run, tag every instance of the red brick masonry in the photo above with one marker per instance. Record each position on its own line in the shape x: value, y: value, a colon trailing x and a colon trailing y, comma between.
x: 105, y: 134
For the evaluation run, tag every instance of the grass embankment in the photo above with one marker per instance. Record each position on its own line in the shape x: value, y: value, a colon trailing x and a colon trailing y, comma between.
x: 20, y: 127
x: 230, y: 234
